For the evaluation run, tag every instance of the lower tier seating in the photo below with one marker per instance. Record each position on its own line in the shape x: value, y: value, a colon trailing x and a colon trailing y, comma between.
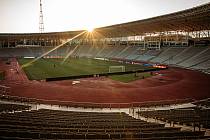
x: 12, y: 107
x: 51, y: 124
x: 192, y: 117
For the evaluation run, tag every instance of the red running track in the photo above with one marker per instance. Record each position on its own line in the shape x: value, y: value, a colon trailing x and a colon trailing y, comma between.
x: 174, y: 83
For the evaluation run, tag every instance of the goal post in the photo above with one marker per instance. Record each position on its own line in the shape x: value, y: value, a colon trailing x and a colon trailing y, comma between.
x: 116, y: 69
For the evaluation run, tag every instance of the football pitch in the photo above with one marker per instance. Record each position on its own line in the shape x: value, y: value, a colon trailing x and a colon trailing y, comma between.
x: 50, y: 68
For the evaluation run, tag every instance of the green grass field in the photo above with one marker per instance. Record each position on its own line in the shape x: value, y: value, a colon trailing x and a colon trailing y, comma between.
x: 48, y: 68
x: 126, y: 78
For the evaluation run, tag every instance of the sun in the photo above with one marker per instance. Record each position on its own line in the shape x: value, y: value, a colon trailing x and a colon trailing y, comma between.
x: 90, y: 29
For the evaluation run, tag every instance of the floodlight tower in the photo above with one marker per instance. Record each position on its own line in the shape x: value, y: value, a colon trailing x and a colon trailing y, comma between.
x: 41, y: 22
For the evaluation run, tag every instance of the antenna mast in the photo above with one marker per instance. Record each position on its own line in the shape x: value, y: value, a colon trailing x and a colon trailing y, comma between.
x: 41, y: 22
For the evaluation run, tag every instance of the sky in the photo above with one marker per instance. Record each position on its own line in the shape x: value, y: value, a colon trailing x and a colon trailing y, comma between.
x: 22, y: 16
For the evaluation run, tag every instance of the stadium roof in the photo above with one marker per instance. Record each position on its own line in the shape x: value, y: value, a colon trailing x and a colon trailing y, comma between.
x: 194, y: 19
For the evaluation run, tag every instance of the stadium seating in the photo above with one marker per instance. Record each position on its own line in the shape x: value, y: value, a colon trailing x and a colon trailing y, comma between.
x: 106, y: 51
x: 123, y: 52
x: 148, y: 55
x: 51, y: 124
x: 189, y: 116
x: 167, y: 54
x: 186, y: 54
x: 127, y: 52
x: 200, y: 57
x: 136, y: 52
x: 12, y: 107
x: 116, y: 50
x: 203, y: 65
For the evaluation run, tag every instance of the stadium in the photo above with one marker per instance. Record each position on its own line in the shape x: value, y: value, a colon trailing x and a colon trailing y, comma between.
x: 144, y: 79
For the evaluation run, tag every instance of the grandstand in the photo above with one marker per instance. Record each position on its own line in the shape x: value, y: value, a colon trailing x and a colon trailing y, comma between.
x: 49, y: 124
x: 58, y: 85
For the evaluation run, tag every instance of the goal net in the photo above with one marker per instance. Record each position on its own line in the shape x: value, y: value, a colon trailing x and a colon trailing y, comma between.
x: 116, y: 69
